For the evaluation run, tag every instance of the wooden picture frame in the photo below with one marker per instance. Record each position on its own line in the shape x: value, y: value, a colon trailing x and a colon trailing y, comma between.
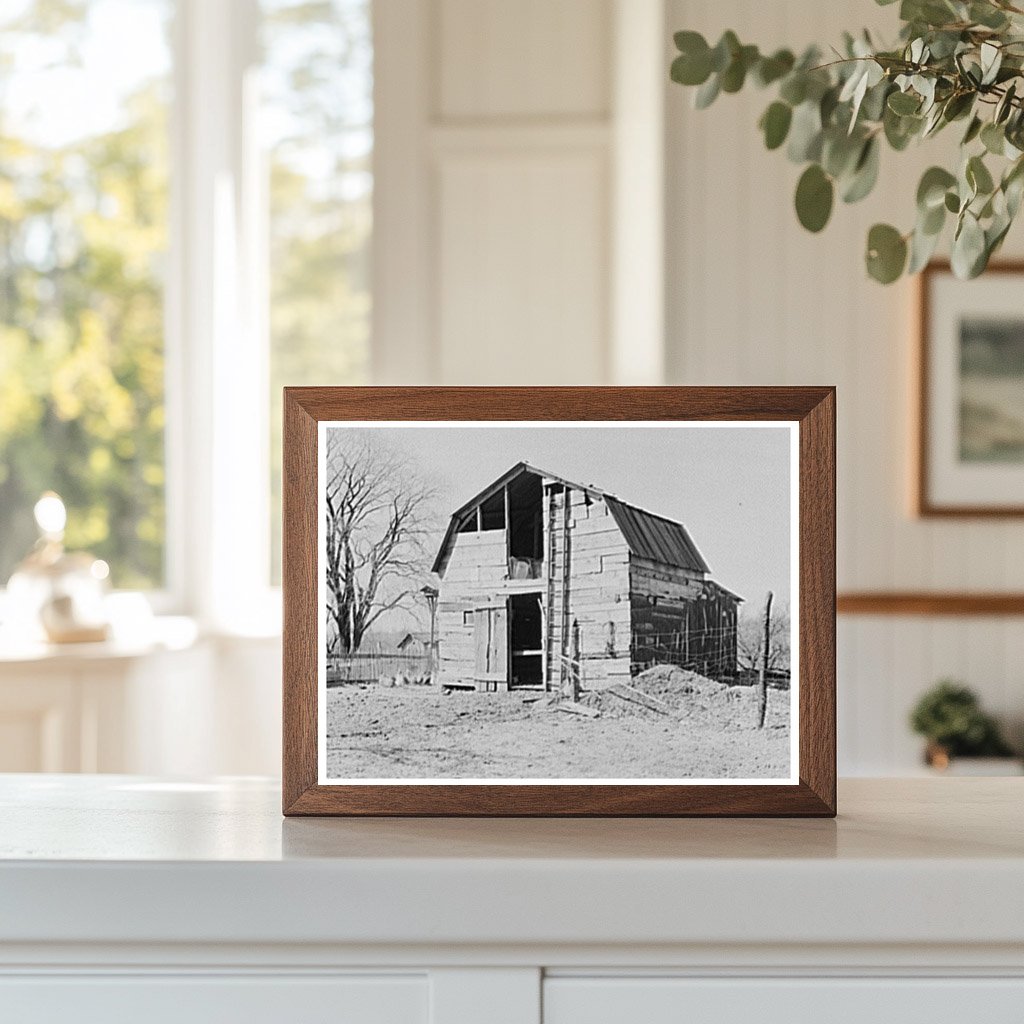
x: 810, y: 791
x: 932, y: 374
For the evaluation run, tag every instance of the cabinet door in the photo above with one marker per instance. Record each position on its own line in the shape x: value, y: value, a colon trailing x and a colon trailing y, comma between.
x: 783, y: 1000
x: 205, y: 999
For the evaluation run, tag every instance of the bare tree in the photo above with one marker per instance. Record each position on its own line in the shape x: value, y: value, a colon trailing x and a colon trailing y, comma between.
x: 750, y: 637
x: 378, y: 524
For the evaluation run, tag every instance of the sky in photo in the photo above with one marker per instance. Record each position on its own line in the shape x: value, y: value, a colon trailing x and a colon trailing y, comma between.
x: 730, y: 486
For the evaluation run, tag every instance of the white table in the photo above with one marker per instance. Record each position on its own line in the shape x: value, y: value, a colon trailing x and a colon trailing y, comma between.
x: 125, y: 898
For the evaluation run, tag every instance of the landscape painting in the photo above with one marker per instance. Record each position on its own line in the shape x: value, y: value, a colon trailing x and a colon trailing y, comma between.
x: 557, y: 602
x: 992, y: 389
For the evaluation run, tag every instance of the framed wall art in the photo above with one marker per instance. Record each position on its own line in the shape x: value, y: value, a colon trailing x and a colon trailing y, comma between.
x: 559, y: 601
x: 970, y: 444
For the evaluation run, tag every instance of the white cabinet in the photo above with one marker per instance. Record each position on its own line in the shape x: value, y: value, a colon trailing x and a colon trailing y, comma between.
x: 828, y: 1000
x: 134, y: 899
x: 216, y: 1000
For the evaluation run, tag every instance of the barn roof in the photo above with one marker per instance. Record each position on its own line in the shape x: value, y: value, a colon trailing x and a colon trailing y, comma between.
x: 647, y: 535
x: 655, y: 537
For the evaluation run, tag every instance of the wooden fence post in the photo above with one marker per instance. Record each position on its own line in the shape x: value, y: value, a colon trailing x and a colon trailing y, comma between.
x: 575, y: 665
x: 763, y: 683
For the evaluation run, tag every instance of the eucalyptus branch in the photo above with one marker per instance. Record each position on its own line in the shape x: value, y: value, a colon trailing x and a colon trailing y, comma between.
x: 955, y: 61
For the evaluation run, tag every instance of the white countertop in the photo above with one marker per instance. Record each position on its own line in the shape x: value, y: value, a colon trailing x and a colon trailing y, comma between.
x: 121, y: 859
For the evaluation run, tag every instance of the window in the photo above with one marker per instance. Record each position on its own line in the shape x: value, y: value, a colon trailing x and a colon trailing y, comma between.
x: 212, y: 175
x: 317, y: 117
x: 83, y: 236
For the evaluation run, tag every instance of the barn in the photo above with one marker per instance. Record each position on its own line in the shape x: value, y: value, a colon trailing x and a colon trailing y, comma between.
x: 546, y: 583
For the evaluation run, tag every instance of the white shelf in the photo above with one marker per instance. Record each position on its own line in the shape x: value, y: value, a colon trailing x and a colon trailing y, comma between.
x: 129, y: 859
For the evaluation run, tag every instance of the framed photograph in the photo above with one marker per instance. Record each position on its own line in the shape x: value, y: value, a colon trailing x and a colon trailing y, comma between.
x: 559, y: 601
x: 970, y: 450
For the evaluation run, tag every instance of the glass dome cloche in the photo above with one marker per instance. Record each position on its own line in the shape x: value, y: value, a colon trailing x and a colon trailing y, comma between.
x: 54, y: 594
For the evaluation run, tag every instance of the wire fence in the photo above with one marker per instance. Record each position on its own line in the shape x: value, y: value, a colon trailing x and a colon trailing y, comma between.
x: 710, y: 652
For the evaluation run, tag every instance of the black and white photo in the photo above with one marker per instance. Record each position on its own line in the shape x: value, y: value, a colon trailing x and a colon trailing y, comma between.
x: 557, y: 602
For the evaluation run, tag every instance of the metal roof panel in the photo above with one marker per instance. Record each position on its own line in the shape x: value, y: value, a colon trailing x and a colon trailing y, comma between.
x: 655, y: 537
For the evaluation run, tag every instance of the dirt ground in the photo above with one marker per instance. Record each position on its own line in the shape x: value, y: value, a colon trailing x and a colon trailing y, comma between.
x: 678, y: 726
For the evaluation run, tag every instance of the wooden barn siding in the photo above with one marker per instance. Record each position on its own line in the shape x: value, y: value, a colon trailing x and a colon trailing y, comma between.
x: 675, y: 588
x: 598, y: 589
x: 472, y: 579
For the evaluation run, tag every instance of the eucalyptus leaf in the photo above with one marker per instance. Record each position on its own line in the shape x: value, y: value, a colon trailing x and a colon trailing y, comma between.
x: 932, y: 221
x: 771, y: 69
x: 931, y: 190
x: 904, y: 103
x: 1005, y: 105
x: 827, y: 106
x: 900, y: 130
x: 691, y: 70
x: 973, y: 130
x: 775, y: 124
x: 865, y: 173
x: 925, y: 87
x: 886, y: 253
x: 814, y: 196
x: 922, y: 248
x: 993, y: 138
x: 735, y: 74
x: 840, y: 152
x: 930, y: 12
x: 987, y: 15
x: 794, y: 88
x: 978, y: 176
x: 944, y: 44
x: 724, y: 51
x: 933, y: 122
x: 968, y: 248
x: 873, y: 106
x: 707, y: 93
x: 958, y: 105
x: 1014, y: 193
x: 1013, y: 187
x: 805, y: 133
x: 991, y: 61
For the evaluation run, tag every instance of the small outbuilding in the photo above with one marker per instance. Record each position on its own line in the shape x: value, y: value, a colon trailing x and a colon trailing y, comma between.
x: 546, y: 582
x: 414, y: 644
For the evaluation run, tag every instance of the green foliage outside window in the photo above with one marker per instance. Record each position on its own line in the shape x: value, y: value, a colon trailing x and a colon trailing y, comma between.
x: 83, y: 218
x: 318, y: 109
x: 83, y: 245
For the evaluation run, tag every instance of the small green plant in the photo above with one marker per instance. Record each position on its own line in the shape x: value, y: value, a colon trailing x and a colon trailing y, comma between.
x: 950, y: 717
x: 956, y: 61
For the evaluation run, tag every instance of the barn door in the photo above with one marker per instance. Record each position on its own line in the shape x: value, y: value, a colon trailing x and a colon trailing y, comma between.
x: 490, y: 634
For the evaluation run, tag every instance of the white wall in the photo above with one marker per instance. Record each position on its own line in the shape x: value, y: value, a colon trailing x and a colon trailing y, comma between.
x: 754, y: 299
x: 501, y: 134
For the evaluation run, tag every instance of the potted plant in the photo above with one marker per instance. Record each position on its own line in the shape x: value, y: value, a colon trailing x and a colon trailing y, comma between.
x: 950, y: 718
x: 956, y: 62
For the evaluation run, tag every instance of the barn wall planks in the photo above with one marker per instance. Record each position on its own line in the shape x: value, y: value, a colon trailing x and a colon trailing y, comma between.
x: 753, y: 299
x: 599, y: 593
